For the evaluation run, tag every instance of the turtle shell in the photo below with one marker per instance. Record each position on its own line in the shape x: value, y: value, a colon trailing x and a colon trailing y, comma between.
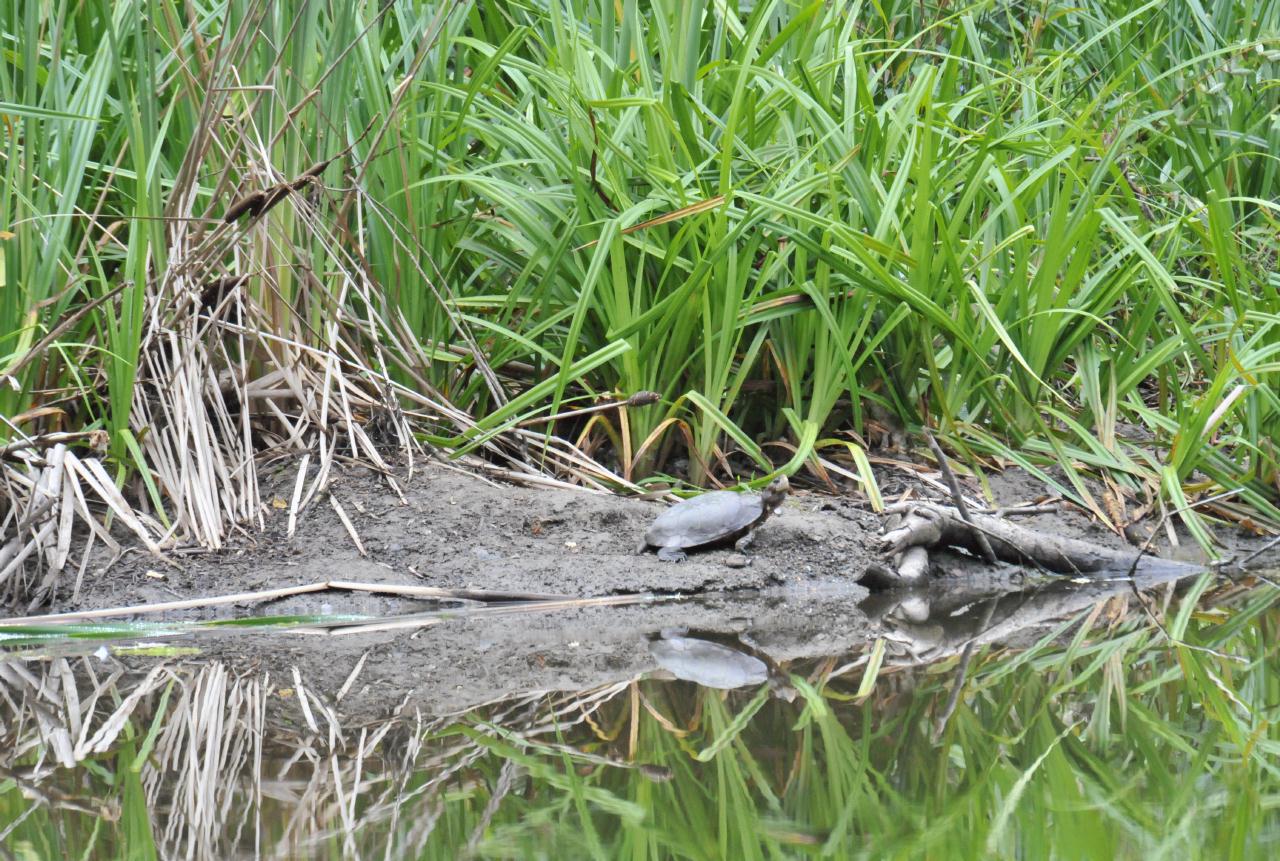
x: 709, y: 664
x: 706, y: 519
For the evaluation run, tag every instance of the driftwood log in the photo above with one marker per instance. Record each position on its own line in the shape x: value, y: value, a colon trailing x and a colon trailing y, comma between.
x: 931, y: 525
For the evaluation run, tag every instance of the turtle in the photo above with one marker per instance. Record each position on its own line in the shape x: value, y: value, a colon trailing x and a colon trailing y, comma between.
x: 707, y: 663
x: 712, y: 519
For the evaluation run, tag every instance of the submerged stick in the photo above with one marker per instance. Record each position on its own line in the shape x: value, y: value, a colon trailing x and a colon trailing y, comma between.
x: 962, y: 673
x: 408, y: 591
x: 1255, y: 554
x: 163, y: 606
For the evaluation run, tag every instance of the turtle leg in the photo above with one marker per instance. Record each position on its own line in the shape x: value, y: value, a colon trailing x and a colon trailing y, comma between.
x: 642, y: 547
x: 671, y: 554
x: 744, y: 542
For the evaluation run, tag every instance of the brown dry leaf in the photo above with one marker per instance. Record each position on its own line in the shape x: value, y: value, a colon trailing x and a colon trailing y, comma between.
x: 1248, y: 524
x: 38, y: 413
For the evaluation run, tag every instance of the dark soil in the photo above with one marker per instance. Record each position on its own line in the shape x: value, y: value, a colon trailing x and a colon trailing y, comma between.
x: 458, y: 530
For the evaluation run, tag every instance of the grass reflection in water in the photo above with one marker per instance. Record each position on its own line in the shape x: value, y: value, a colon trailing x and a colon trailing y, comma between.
x: 1107, y: 737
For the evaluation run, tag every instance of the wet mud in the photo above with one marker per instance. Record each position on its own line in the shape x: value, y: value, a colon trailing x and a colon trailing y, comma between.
x: 456, y: 530
x: 799, y: 598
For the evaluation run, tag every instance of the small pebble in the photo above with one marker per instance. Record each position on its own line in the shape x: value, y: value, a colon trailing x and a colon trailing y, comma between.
x: 737, y: 560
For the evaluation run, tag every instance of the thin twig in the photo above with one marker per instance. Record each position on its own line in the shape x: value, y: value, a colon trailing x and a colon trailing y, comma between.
x: 1255, y: 554
x: 346, y: 521
x: 70, y: 320
x: 1133, y: 583
x: 412, y: 591
x: 957, y: 499
x: 1022, y: 510
x: 95, y: 438
x: 639, y: 399
x: 408, y: 591
x: 1146, y: 545
x: 188, y: 604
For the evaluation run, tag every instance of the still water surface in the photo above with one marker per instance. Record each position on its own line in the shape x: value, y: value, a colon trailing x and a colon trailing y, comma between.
x: 1084, y: 726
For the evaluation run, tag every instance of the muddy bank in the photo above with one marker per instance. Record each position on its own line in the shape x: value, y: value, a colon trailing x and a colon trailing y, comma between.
x: 329, y: 702
x: 444, y: 527
x: 798, y: 599
x: 441, y: 527
x: 456, y: 530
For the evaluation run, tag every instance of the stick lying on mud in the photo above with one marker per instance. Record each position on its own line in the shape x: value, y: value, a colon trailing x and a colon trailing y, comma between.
x: 427, y: 592
x: 926, y: 524
x: 957, y: 499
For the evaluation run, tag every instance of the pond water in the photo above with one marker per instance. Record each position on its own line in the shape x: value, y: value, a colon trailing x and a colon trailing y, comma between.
x: 1087, y: 722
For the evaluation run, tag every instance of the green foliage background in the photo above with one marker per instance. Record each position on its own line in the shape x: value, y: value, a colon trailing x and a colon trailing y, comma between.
x: 1048, y: 229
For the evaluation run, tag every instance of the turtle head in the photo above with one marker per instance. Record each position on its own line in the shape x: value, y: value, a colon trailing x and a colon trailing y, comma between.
x: 776, y: 492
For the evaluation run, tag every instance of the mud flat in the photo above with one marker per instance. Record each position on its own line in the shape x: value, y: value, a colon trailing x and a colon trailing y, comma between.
x: 456, y: 530
x: 444, y: 528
